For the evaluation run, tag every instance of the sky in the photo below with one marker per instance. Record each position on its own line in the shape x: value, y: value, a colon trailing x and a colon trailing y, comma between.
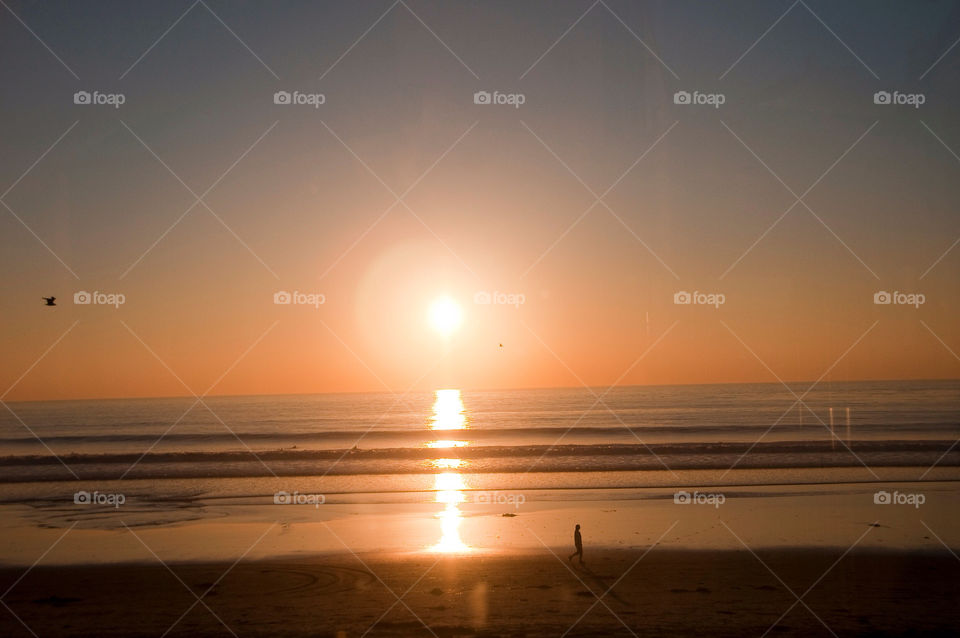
x: 583, y: 201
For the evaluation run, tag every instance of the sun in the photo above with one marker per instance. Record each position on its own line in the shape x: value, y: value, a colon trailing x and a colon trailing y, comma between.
x: 445, y: 315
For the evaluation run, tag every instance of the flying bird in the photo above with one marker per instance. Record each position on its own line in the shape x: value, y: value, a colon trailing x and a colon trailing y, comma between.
x: 50, y: 301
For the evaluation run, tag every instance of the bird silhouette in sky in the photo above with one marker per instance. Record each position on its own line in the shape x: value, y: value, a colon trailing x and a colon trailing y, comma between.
x: 50, y: 301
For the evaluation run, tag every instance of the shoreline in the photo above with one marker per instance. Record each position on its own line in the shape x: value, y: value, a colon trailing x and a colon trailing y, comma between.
x: 205, y: 527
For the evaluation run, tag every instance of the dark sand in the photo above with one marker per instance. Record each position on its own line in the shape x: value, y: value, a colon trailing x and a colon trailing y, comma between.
x: 668, y: 593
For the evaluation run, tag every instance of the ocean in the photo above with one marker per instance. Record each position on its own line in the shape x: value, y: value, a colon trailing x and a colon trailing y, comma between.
x: 644, y: 430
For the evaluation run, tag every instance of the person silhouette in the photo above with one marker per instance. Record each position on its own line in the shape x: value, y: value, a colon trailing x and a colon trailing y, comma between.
x: 578, y: 542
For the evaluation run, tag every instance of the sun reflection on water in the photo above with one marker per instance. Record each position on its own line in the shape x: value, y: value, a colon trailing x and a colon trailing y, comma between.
x: 447, y: 443
x: 449, y: 414
x: 443, y: 464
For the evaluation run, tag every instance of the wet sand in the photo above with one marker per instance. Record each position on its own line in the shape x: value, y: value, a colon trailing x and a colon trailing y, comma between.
x: 668, y: 592
x: 214, y: 530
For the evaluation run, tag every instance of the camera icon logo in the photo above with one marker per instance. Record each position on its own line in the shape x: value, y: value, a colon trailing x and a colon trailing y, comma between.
x: 482, y: 97
x: 882, y: 298
x: 282, y: 298
x: 82, y: 498
x: 681, y: 498
x: 681, y: 97
x: 482, y: 298
x: 882, y: 97
x: 82, y: 97
x: 282, y: 97
x: 82, y: 297
x: 882, y: 498
x: 682, y: 297
x: 282, y: 498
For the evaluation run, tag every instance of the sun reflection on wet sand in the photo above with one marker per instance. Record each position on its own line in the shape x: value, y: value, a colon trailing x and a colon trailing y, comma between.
x: 448, y: 486
x: 449, y: 414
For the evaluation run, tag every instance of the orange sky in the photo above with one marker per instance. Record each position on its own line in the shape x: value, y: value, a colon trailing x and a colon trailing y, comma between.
x: 597, y: 200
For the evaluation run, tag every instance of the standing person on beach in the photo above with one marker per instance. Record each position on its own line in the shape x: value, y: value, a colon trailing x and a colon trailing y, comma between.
x: 578, y: 542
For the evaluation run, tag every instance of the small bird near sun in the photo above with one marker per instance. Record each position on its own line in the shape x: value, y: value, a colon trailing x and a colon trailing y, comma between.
x: 445, y: 315
x: 50, y: 301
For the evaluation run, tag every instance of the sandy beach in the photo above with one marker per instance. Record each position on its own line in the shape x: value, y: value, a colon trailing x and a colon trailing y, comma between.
x: 618, y: 593
x: 653, y: 568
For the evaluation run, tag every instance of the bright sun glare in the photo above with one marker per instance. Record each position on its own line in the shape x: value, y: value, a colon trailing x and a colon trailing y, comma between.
x: 445, y: 315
